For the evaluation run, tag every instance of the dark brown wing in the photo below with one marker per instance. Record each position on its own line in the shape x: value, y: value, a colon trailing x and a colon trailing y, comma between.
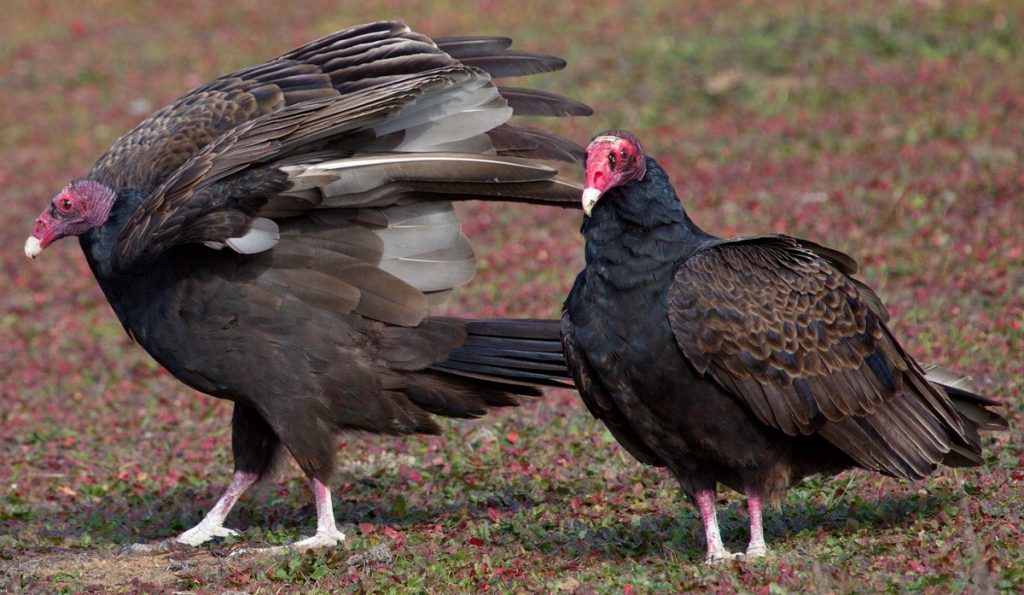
x: 848, y: 266
x: 784, y: 328
x: 596, y: 398
x: 343, y: 62
x: 330, y: 183
x: 211, y: 160
x: 215, y: 194
x: 348, y: 169
x: 347, y: 60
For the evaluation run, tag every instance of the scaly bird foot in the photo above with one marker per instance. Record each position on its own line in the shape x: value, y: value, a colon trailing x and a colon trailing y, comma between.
x: 146, y: 548
x: 722, y: 556
x: 204, y: 532
x: 329, y: 538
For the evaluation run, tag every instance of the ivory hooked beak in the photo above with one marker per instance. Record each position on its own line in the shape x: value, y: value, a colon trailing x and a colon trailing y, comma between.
x: 590, y: 198
x: 33, y: 247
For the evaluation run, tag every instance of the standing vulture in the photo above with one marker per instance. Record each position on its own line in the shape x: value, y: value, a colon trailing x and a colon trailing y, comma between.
x: 751, y: 362
x: 276, y: 237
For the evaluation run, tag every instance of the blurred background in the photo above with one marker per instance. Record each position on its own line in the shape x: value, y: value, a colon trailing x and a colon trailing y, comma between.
x: 893, y: 131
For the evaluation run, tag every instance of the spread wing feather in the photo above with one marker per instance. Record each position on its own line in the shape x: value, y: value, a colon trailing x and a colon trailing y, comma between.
x: 144, y: 156
x: 337, y: 162
x: 228, y: 173
x: 239, y: 171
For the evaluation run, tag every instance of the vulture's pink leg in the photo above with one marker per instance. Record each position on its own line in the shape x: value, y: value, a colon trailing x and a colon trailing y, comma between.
x: 709, y: 518
x: 212, y: 524
x: 756, y: 548
x: 327, y: 533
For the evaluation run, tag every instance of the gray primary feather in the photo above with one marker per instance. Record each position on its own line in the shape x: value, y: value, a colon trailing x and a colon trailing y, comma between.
x: 425, y: 247
x: 360, y: 174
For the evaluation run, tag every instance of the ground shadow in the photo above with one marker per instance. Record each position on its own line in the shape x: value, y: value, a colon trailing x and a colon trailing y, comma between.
x: 681, y: 535
x: 270, y: 515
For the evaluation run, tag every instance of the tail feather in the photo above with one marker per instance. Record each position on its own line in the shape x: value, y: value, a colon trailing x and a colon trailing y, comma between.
x: 966, y: 399
x: 524, y: 352
x: 463, y: 402
x: 519, y: 352
x: 502, y: 372
x: 972, y: 407
x: 526, y: 328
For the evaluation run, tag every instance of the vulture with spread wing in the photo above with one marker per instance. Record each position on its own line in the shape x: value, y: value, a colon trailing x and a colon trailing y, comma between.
x: 749, y: 362
x: 277, y: 237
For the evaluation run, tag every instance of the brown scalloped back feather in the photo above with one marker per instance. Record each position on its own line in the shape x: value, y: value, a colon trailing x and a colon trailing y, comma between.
x: 793, y: 336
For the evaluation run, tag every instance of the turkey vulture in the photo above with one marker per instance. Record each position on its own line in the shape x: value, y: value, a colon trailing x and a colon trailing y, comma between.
x: 752, y: 362
x: 276, y: 237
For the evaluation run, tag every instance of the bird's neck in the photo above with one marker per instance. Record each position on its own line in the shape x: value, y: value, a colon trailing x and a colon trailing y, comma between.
x: 639, y: 233
x: 99, y: 242
x: 126, y: 293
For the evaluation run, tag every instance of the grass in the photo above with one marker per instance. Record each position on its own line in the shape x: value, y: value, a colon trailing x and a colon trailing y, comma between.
x: 892, y: 131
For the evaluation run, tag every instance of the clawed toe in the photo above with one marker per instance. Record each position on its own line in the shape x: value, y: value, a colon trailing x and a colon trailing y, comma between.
x: 146, y: 548
x: 722, y: 557
x: 202, y: 533
x: 321, y: 539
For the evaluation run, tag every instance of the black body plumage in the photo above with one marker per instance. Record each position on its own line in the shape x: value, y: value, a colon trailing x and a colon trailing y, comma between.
x: 279, y: 235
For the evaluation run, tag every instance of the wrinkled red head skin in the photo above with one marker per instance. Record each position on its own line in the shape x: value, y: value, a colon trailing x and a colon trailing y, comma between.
x: 79, y: 207
x: 614, y: 158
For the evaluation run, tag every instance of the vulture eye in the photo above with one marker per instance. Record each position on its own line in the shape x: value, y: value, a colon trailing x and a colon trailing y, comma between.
x: 623, y: 153
x: 65, y: 203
